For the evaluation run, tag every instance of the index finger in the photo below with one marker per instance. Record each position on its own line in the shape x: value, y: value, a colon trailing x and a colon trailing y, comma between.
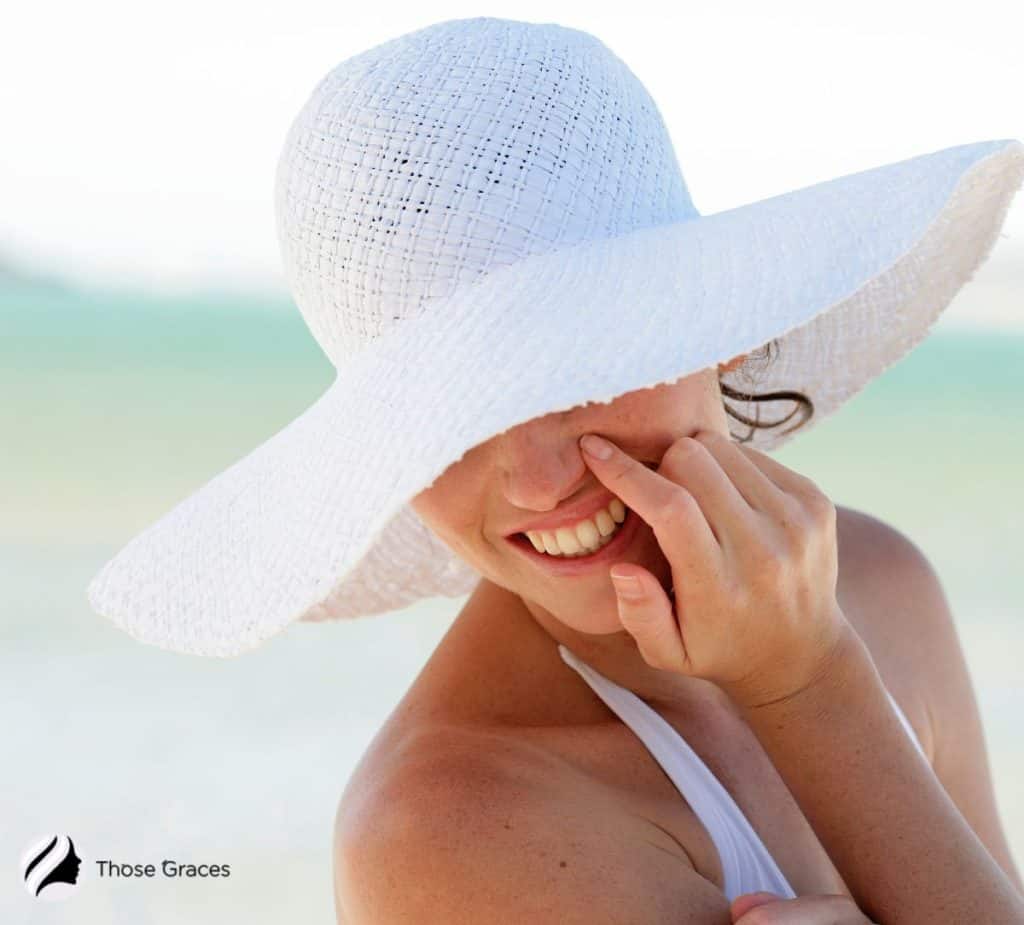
x: 664, y: 504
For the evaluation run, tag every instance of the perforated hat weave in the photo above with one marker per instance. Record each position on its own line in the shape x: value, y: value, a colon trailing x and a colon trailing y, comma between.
x: 484, y: 221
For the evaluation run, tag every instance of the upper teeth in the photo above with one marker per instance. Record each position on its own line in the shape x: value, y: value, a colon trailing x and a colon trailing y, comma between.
x: 582, y: 538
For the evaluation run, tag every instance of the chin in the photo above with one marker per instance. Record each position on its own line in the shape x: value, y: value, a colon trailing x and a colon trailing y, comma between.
x: 599, y: 619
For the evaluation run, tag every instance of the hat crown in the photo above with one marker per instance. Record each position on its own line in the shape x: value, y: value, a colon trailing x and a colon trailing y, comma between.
x: 427, y: 161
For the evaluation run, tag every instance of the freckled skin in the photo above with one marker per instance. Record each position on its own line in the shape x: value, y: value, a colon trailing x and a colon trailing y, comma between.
x: 537, y: 466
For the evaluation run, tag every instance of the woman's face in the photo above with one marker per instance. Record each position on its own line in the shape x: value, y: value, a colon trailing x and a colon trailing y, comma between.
x: 535, y: 473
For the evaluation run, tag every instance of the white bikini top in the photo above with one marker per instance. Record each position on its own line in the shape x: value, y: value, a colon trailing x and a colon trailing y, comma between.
x: 746, y: 863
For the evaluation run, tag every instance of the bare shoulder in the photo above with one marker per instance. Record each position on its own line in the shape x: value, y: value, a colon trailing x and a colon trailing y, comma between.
x: 471, y: 827
x: 894, y: 597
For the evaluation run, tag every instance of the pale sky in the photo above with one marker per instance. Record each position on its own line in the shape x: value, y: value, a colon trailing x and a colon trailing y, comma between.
x: 139, y: 140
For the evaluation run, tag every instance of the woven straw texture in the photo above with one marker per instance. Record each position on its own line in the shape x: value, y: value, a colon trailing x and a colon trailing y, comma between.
x: 484, y: 221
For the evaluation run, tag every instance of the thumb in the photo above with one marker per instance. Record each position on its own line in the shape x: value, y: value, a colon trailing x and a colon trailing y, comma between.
x: 647, y: 613
x: 742, y: 904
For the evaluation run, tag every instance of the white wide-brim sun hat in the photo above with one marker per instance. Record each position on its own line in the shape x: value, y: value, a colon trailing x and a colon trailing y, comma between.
x: 484, y: 221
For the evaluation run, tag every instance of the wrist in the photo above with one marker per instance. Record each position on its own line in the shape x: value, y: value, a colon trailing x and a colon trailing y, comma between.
x: 844, y: 661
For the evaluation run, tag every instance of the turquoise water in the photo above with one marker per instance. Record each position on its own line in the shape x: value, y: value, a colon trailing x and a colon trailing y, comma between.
x: 117, y: 406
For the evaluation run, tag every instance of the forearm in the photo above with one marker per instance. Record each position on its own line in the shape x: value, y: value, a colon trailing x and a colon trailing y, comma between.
x: 896, y: 838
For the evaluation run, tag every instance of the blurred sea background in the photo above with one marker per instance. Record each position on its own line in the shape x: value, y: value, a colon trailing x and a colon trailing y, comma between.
x: 147, y: 343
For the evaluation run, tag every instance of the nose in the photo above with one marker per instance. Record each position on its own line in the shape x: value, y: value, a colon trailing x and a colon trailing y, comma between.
x: 541, y: 463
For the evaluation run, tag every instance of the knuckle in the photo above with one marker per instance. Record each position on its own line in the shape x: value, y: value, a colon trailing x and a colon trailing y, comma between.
x: 682, y: 449
x: 680, y: 505
x: 821, y: 509
x: 795, y: 522
x: 811, y: 517
x: 805, y: 487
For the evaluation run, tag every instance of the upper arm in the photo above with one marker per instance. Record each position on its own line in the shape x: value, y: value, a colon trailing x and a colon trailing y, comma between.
x: 961, y: 756
x: 463, y: 839
x: 914, y: 629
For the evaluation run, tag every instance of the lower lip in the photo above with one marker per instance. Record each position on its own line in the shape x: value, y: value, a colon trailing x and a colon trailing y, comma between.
x: 581, y: 565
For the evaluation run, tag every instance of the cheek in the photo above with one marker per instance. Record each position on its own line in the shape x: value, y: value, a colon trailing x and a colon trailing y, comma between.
x: 430, y: 508
x: 451, y: 513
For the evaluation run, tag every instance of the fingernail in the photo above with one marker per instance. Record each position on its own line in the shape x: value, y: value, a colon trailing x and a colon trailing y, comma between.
x: 596, y: 447
x: 627, y: 585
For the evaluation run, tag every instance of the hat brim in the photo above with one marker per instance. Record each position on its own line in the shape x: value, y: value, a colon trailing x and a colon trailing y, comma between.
x: 848, y: 274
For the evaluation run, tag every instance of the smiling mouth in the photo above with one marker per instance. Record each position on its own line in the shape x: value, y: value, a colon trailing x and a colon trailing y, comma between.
x: 569, y: 565
x: 565, y: 549
x: 581, y: 538
x: 552, y: 544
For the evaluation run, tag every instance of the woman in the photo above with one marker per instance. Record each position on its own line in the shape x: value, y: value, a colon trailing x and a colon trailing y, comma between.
x: 503, y: 780
x: 768, y: 718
